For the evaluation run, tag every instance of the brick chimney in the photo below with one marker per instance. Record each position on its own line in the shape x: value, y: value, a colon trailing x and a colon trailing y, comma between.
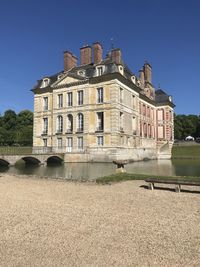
x: 86, y: 55
x: 97, y: 52
x: 147, y: 72
x: 70, y: 60
x: 116, y: 56
x: 141, y: 76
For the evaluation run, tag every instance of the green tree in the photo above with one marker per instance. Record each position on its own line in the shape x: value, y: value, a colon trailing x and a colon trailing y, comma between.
x: 9, y: 120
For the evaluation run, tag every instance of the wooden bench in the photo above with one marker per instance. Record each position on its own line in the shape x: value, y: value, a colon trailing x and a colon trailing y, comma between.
x: 176, y: 182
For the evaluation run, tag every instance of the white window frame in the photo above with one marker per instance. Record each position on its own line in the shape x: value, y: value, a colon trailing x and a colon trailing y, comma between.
x: 69, y: 123
x: 80, y: 122
x: 45, y: 82
x: 45, y: 103
x: 80, y: 97
x: 60, y: 100
x: 69, y: 144
x: 45, y: 142
x: 100, y: 121
x: 59, y: 124
x: 69, y: 99
x: 100, y: 95
x: 80, y: 142
x: 100, y: 140
x: 59, y: 142
x: 45, y: 125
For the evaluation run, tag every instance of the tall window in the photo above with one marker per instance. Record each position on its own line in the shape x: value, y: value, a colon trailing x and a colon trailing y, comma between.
x: 59, y: 142
x: 100, y: 140
x: 80, y: 123
x: 100, y: 95
x: 133, y: 101
x: 45, y: 125
x: 121, y: 95
x: 45, y: 103
x: 134, y: 126
x: 69, y: 123
x: 80, y: 142
x: 45, y: 142
x: 80, y: 97
x: 59, y: 124
x: 69, y: 144
x: 69, y: 99
x: 100, y: 121
x: 60, y: 101
x: 121, y: 121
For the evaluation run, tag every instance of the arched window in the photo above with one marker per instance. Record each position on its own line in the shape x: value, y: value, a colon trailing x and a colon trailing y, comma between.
x: 80, y: 122
x: 59, y: 124
x: 69, y: 123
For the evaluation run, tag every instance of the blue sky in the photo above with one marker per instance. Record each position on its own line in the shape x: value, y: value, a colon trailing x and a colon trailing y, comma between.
x: 34, y: 34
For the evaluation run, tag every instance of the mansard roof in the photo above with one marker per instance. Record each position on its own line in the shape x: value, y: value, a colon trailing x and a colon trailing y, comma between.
x: 84, y: 74
x: 161, y: 98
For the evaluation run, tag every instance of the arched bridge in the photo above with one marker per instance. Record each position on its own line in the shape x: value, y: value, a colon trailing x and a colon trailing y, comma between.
x: 9, y: 157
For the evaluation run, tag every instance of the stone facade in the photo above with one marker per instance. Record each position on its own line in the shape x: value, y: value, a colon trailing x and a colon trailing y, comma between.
x: 101, y: 111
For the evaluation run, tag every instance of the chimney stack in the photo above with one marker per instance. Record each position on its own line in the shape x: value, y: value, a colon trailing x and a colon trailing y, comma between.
x: 86, y: 55
x: 70, y: 60
x: 147, y: 72
x: 141, y: 76
x: 116, y: 56
x: 98, y: 52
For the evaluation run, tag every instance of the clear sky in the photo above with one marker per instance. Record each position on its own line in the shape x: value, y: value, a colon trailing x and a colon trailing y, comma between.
x: 34, y: 34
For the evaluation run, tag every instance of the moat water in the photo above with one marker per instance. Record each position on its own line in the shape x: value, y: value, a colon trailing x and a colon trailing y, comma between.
x: 89, y: 171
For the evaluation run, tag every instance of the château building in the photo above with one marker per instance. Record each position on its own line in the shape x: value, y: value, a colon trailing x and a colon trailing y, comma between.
x: 100, y: 111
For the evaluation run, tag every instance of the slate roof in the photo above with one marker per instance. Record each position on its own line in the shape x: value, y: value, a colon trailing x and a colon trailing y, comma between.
x: 111, y: 71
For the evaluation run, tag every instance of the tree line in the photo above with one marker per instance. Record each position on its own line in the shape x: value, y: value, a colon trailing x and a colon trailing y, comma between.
x: 185, y: 125
x: 16, y: 129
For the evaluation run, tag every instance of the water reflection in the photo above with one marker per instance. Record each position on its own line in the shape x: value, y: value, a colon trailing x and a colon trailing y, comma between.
x: 91, y: 171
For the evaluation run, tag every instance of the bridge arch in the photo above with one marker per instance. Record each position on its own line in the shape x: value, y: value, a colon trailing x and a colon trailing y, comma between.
x: 54, y: 160
x: 31, y: 160
x: 4, y: 162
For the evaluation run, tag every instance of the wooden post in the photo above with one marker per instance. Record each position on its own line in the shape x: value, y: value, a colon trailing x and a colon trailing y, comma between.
x: 178, y: 188
x: 151, y: 186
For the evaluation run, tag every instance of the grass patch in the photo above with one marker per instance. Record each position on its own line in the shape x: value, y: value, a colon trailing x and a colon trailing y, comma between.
x: 119, y: 177
x: 186, y: 152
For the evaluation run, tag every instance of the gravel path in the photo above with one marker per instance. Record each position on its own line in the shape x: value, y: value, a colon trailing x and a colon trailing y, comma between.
x: 57, y: 223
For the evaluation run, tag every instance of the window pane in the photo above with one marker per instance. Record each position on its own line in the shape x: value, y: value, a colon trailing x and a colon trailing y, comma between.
x: 80, y: 97
x: 80, y: 142
x: 69, y: 99
x: 60, y: 100
x: 100, y: 95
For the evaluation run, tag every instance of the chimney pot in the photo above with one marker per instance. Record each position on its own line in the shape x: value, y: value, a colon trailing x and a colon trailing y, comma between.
x: 70, y: 60
x: 147, y: 72
x: 98, y: 52
x: 86, y: 55
x: 116, y: 56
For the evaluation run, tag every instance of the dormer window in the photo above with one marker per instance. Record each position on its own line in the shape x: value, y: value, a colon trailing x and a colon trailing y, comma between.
x: 59, y: 77
x: 121, y: 69
x: 99, y: 70
x: 45, y: 82
x: 170, y: 98
x: 81, y: 72
x: 133, y: 79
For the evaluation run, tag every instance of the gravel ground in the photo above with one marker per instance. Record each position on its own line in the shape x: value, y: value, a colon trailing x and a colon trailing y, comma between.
x: 56, y: 223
